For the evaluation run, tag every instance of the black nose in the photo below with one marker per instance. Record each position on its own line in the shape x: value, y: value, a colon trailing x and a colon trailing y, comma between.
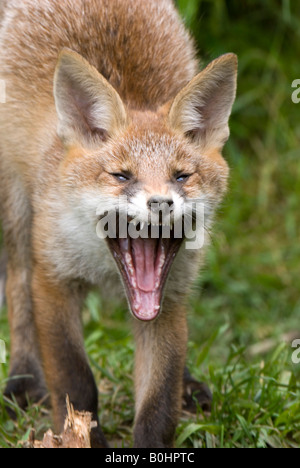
x: 156, y: 202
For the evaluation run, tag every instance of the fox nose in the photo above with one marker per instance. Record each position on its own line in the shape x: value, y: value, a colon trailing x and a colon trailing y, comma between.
x: 155, y: 203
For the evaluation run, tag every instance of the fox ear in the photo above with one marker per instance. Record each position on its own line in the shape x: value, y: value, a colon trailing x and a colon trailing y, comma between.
x: 202, y: 109
x: 89, y: 109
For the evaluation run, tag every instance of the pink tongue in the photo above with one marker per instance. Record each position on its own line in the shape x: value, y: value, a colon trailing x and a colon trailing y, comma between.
x: 144, y: 260
x: 146, y: 306
x: 144, y: 257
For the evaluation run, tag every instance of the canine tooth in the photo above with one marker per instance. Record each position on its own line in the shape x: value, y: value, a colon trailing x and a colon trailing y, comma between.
x: 128, y: 259
x: 142, y: 225
x: 133, y: 280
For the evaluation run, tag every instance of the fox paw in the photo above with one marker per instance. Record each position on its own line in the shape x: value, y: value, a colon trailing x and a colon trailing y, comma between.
x: 195, y: 394
x: 24, y: 387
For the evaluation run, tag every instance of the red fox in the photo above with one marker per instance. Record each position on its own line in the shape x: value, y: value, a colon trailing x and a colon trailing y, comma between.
x: 105, y: 102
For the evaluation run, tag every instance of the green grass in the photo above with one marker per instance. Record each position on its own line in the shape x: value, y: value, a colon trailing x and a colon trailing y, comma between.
x: 249, y: 290
x: 256, y: 401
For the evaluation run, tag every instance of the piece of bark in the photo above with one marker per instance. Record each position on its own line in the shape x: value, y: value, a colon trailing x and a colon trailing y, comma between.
x: 76, y: 434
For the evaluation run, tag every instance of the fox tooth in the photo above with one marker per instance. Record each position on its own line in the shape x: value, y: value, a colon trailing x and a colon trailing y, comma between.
x: 142, y: 225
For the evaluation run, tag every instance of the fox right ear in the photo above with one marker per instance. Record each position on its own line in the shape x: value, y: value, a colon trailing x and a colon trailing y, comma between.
x: 202, y: 109
x: 89, y: 109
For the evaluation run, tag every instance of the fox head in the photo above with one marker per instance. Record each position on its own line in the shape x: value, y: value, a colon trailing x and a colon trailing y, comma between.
x: 149, y: 168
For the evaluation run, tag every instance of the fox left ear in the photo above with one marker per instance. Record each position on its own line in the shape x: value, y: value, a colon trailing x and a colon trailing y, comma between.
x: 89, y: 109
x: 202, y: 109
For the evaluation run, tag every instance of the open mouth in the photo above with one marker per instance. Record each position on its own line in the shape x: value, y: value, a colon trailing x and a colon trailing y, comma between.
x: 145, y: 263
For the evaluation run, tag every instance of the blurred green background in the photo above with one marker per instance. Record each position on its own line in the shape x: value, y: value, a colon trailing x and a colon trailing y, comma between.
x: 247, y: 300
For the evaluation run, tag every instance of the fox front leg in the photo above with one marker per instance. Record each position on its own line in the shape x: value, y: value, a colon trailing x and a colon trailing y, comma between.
x: 57, y: 310
x: 160, y: 359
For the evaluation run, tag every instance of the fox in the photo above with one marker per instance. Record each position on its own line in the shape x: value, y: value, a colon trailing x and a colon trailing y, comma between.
x: 105, y: 101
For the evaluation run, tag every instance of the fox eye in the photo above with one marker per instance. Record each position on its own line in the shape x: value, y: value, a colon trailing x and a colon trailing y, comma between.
x: 180, y: 178
x: 122, y: 176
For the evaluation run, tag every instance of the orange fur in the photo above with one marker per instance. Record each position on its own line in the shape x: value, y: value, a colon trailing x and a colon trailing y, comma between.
x: 127, y: 99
